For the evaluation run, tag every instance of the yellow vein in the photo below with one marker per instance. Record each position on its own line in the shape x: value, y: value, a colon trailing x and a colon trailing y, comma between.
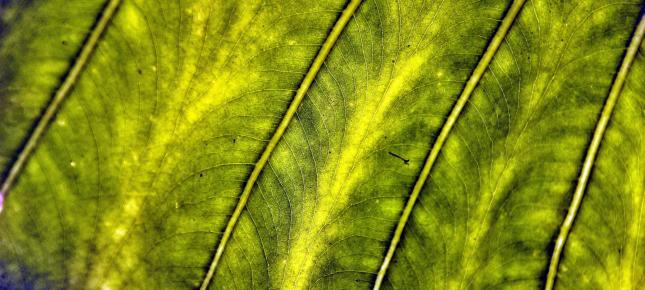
x: 495, y: 42
x: 592, y: 152
x: 60, y: 95
x: 309, y: 78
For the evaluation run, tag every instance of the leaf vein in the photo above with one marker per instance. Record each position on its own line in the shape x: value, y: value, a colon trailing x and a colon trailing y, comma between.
x: 306, y: 83
x: 592, y: 151
x: 470, y: 86
x: 70, y: 79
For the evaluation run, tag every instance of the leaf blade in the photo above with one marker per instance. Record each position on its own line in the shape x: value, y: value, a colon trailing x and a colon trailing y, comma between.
x: 282, y: 127
x: 592, y: 151
x: 488, y: 219
x: 325, y: 197
x: 496, y: 41
x: 15, y: 168
x: 189, y: 80
x: 135, y: 182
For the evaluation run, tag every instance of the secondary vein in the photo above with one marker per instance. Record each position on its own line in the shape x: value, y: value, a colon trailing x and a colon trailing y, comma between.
x: 592, y: 151
x: 60, y: 95
x: 470, y: 86
x: 309, y: 78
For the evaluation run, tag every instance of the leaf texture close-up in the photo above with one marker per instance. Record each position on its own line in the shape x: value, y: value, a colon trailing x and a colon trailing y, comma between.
x: 330, y: 144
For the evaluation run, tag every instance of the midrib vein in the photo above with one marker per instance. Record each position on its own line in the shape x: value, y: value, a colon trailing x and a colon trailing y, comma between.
x: 60, y: 95
x: 309, y: 78
x: 470, y: 86
x: 592, y: 151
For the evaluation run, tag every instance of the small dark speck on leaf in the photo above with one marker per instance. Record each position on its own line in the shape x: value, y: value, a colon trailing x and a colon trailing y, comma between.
x: 139, y: 71
x: 64, y: 42
x: 201, y: 174
x: 234, y: 140
x: 405, y: 161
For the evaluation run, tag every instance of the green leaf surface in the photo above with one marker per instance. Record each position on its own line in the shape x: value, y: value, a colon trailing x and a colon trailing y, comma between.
x: 265, y: 144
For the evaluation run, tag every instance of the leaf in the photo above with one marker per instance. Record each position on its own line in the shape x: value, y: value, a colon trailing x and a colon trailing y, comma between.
x: 289, y: 137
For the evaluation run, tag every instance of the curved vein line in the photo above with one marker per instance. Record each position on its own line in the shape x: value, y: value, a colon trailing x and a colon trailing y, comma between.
x: 470, y: 86
x: 60, y: 95
x: 309, y: 78
x: 592, y: 151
